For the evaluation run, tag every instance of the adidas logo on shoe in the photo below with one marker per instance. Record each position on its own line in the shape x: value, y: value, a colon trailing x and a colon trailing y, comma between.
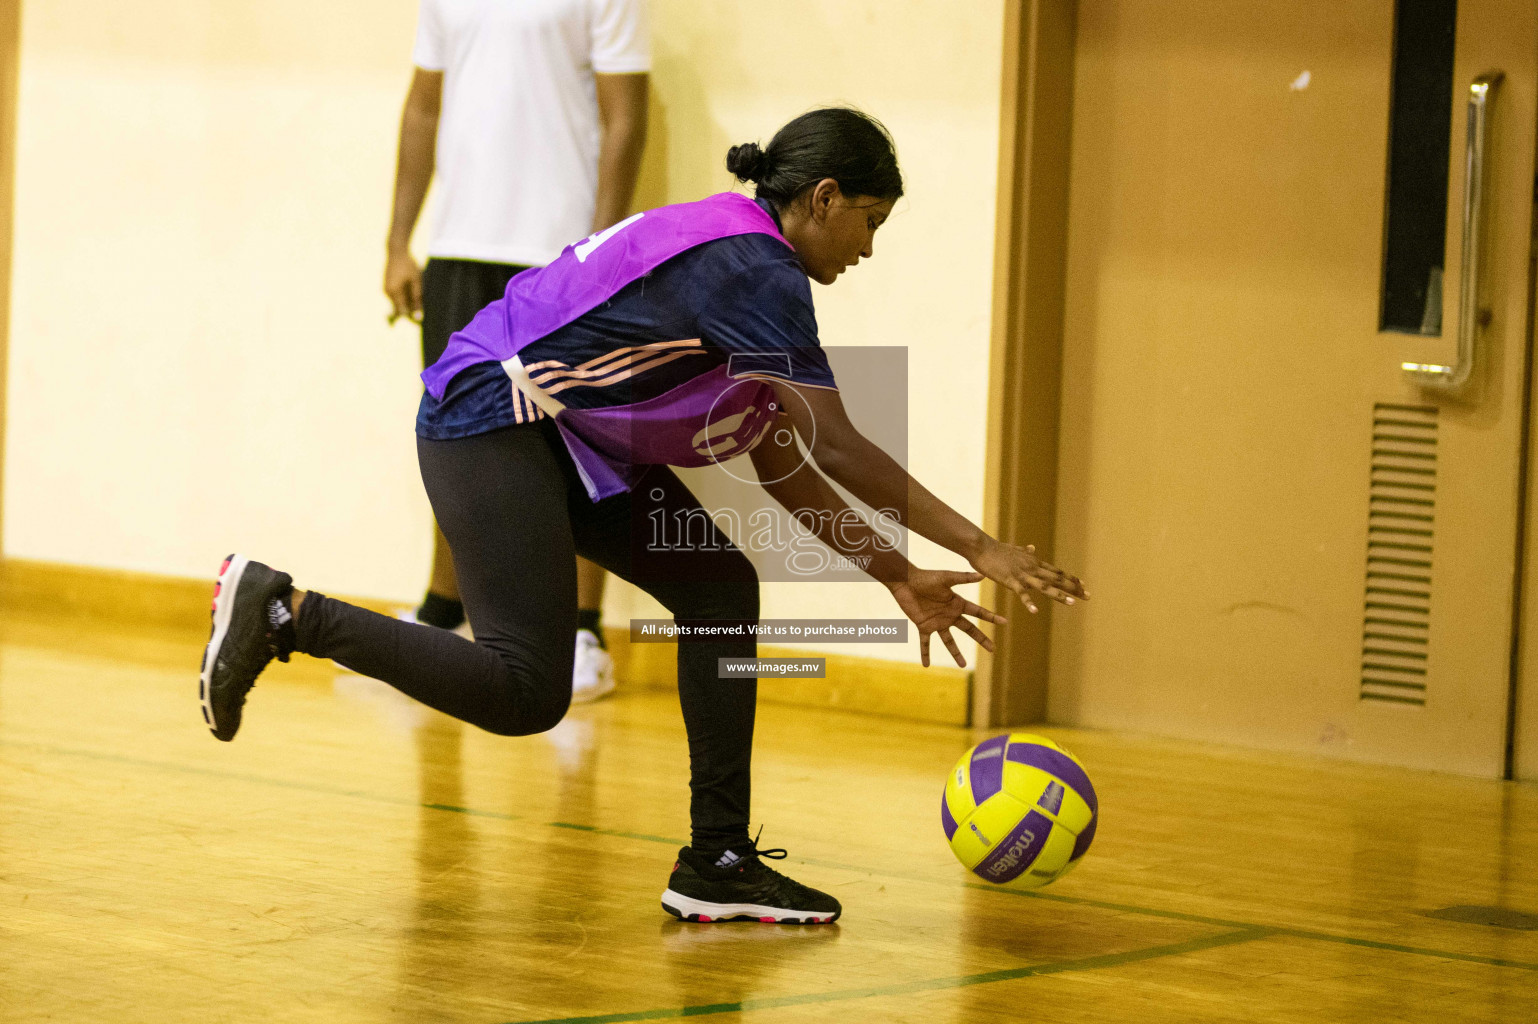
x: 727, y: 859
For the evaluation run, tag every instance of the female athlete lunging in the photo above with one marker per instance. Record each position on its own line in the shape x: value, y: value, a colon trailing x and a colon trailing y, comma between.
x: 680, y: 336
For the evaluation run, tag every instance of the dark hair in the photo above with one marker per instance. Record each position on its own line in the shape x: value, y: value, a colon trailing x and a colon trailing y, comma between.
x: 852, y: 148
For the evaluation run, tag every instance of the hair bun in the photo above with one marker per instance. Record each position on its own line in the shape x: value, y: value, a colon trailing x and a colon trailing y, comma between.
x: 746, y: 161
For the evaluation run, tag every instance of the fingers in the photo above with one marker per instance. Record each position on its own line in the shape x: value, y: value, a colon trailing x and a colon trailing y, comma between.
x: 977, y: 611
x: 414, y: 299
x: 970, y: 629
x: 404, y: 290
x: 950, y: 645
x: 1052, y: 591
x: 949, y: 641
x: 1046, y: 578
x: 405, y: 301
x: 1070, y: 585
x: 1057, y: 593
x: 1055, y: 583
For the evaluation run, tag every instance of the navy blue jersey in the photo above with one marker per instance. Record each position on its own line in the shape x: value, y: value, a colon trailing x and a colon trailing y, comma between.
x: 742, y: 301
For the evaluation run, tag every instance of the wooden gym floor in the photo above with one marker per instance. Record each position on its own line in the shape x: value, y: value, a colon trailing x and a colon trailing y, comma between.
x: 351, y: 858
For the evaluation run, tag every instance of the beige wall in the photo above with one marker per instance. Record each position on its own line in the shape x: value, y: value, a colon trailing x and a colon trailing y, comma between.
x: 202, y: 194
x: 201, y: 202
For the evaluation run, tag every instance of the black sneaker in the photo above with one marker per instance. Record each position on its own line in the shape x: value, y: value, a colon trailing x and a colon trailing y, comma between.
x: 739, y: 884
x: 248, y: 632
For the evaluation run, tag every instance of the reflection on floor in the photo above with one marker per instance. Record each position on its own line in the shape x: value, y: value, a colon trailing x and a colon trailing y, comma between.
x: 353, y: 857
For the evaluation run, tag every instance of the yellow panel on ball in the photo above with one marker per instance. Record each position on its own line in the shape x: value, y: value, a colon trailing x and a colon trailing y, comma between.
x: 980, y: 833
x: 1075, y: 814
x: 1031, y: 737
x: 1027, y: 783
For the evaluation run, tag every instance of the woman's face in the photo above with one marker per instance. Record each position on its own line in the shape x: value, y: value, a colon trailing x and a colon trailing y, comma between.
x: 831, y: 231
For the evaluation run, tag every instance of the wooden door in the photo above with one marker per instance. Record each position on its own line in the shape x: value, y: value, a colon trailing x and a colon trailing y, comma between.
x: 1290, y: 540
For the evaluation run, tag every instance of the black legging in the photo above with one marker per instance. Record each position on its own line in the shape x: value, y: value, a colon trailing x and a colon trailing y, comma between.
x: 515, y: 515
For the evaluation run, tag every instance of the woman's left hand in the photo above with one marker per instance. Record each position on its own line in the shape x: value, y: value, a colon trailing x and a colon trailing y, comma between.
x: 1021, y: 571
x: 927, y: 599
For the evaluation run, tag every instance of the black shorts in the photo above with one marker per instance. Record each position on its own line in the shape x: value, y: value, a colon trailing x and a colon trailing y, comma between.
x: 453, y: 291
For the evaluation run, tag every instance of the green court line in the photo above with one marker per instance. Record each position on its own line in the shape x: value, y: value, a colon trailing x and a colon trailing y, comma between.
x: 1394, y: 947
x: 497, y: 815
x: 1125, y: 908
x: 617, y: 833
x: 927, y: 985
x: 215, y: 773
x: 1297, y: 933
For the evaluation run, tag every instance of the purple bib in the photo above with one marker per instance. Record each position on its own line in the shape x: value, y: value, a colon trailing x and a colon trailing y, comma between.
x: 700, y: 422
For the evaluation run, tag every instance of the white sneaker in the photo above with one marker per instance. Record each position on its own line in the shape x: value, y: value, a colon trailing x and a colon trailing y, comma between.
x: 592, y: 676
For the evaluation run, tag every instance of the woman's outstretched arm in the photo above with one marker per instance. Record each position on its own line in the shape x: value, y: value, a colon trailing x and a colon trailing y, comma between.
x: 852, y: 460
x: 924, y: 595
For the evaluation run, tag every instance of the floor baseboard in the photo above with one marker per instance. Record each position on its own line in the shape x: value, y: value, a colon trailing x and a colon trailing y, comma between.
x: 874, y: 686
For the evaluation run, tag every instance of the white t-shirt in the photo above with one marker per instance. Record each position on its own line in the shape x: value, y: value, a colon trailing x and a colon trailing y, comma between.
x: 517, y: 155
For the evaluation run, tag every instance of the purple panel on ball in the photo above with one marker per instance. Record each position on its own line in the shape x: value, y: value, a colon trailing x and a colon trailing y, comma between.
x: 1085, y: 838
x: 1016, y: 851
x: 946, y: 821
x: 1055, y: 762
x: 987, y: 768
x: 1052, y: 800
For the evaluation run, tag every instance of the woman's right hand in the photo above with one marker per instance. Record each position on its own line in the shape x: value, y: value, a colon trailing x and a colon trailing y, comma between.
x: 1021, y: 571
x: 927, y: 599
x: 403, y: 284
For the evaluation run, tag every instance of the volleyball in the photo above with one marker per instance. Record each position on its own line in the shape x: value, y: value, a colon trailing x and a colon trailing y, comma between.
x: 1019, y: 810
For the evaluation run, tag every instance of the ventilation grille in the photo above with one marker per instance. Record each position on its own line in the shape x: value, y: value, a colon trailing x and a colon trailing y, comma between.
x: 1401, y: 512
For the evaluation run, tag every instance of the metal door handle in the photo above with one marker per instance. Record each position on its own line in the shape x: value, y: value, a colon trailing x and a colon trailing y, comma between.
x: 1436, y: 375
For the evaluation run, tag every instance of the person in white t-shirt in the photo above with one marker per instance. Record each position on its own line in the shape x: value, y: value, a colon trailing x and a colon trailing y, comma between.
x: 532, y: 113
